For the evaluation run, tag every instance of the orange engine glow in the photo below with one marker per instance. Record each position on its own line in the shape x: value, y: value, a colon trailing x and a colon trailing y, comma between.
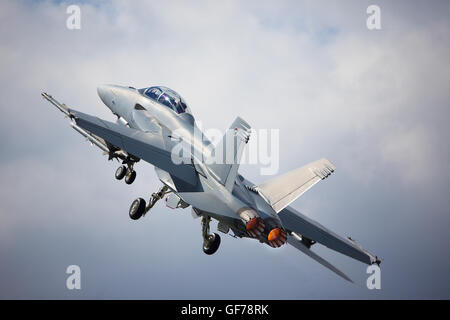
x: 274, y: 234
x: 252, y: 224
x: 254, y: 227
x: 277, y: 237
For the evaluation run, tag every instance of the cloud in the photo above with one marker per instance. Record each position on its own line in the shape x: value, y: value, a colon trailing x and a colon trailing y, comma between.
x: 374, y: 102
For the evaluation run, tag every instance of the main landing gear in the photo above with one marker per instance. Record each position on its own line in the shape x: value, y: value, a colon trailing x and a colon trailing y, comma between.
x: 211, y: 242
x: 139, y: 208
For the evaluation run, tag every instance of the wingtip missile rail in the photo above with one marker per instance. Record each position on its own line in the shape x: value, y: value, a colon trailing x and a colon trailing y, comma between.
x: 61, y: 107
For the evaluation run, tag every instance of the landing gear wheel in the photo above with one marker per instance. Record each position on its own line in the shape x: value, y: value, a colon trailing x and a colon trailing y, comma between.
x: 121, y: 172
x: 211, y: 243
x: 129, y: 178
x: 137, y: 208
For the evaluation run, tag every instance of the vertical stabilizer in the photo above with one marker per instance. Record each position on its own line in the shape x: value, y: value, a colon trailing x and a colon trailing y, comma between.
x: 227, y: 155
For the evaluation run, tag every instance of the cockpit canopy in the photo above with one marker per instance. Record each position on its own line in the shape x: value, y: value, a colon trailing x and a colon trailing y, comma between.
x: 168, y: 97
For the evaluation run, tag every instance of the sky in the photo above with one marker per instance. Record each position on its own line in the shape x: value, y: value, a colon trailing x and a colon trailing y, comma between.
x: 373, y: 102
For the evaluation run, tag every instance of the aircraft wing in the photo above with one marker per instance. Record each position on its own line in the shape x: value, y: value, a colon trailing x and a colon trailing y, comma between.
x: 147, y: 146
x: 294, y: 221
x: 105, y: 146
x: 280, y: 191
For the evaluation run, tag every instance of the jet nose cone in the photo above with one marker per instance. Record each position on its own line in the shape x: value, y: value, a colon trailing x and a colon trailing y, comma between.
x: 105, y: 94
x: 102, y: 90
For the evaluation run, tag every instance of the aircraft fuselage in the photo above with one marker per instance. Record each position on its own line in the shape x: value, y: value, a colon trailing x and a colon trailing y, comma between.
x: 236, y: 208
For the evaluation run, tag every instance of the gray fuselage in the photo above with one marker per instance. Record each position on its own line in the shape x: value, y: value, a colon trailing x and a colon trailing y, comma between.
x: 208, y: 196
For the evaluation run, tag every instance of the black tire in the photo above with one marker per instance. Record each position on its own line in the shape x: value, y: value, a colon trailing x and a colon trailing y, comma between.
x: 129, y: 178
x: 212, y: 244
x: 137, y: 209
x: 121, y: 172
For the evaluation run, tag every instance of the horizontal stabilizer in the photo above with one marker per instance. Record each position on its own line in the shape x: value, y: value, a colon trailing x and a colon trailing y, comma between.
x: 300, y: 246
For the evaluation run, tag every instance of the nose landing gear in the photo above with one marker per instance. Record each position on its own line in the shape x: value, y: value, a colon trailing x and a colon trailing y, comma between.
x: 126, y: 171
x: 121, y: 172
x: 130, y: 176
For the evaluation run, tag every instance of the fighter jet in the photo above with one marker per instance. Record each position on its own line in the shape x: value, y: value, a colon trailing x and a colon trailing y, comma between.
x: 152, y: 123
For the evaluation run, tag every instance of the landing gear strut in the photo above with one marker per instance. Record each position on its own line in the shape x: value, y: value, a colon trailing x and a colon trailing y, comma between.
x: 139, y: 208
x: 211, y: 242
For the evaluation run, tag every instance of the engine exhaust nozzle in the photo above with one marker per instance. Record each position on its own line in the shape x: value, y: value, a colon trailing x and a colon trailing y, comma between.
x: 252, y: 221
x: 277, y: 237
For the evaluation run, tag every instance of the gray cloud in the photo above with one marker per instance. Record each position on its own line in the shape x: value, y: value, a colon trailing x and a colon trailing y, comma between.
x: 373, y: 102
